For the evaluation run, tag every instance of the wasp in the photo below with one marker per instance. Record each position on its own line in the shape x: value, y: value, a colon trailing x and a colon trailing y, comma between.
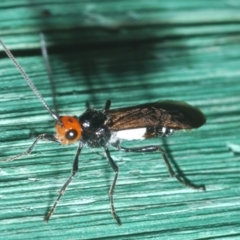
x: 109, y: 127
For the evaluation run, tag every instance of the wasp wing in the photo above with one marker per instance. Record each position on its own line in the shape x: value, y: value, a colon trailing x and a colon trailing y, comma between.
x: 170, y: 114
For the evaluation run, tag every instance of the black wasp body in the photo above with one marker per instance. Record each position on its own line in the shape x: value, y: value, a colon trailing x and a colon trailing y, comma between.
x: 159, y: 119
x: 95, y: 133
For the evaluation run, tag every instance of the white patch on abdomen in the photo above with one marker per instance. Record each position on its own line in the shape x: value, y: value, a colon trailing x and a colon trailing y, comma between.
x: 131, y: 134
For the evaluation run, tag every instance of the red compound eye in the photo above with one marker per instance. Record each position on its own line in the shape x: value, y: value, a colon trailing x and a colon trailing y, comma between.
x: 70, y: 131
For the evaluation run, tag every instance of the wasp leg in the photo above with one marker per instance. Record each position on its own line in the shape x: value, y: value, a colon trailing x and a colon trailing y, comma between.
x: 41, y: 137
x: 111, y: 190
x: 154, y: 148
x: 107, y: 105
x: 64, y: 187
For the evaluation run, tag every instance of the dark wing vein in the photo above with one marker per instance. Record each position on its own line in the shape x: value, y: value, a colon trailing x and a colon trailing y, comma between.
x: 170, y: 114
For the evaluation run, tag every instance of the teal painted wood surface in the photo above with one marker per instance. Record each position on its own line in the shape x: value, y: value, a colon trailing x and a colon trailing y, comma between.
x: 131, y: 53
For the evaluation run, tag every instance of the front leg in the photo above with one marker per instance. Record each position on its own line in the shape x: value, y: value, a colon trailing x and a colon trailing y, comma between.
x: 41, y: 137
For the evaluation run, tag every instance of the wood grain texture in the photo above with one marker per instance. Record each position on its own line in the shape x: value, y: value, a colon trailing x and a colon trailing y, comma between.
x: 132, y: 53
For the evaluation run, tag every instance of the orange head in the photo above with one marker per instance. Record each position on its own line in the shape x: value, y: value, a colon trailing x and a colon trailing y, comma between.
x: 69, y: 131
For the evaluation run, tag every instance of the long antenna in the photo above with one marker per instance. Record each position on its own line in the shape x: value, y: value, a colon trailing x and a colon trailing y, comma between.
x: 29, y: 82
x: 49, y: 69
